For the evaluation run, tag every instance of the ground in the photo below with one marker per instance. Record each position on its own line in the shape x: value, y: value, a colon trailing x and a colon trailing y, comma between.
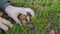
x: 47, y: 16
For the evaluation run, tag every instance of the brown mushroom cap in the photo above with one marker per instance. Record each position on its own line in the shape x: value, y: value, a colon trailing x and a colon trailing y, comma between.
x: 23, y: 18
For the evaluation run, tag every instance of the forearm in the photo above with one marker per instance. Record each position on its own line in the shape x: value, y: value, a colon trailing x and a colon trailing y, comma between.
x: 4, y: 4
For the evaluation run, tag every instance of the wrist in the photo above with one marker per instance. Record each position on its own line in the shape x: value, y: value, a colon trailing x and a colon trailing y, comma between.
x: 8, y: 8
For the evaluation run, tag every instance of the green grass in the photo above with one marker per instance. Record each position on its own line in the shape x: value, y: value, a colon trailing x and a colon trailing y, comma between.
x: 47, y: 16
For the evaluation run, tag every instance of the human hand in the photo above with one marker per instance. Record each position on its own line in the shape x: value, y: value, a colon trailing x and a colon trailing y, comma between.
x: 5, y: 24
x: 13, y: 12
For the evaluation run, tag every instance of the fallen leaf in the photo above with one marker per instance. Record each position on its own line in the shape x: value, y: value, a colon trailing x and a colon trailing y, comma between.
x: 1, y: 14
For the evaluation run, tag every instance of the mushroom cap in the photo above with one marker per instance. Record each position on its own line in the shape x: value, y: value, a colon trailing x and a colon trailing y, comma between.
x: 22, y: 17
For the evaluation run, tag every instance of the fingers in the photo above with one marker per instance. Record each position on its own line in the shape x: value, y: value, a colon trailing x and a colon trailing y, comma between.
x: 4, y: 27
x: 30, y: 11
x: 22, y: 12
x: 17, y: 20
x: 6, y: 22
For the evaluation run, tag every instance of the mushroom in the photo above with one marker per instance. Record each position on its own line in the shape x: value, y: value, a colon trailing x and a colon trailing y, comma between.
x: 22, y: 18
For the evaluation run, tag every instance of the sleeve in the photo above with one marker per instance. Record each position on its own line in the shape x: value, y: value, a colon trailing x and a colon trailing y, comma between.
x: 4, y: 4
